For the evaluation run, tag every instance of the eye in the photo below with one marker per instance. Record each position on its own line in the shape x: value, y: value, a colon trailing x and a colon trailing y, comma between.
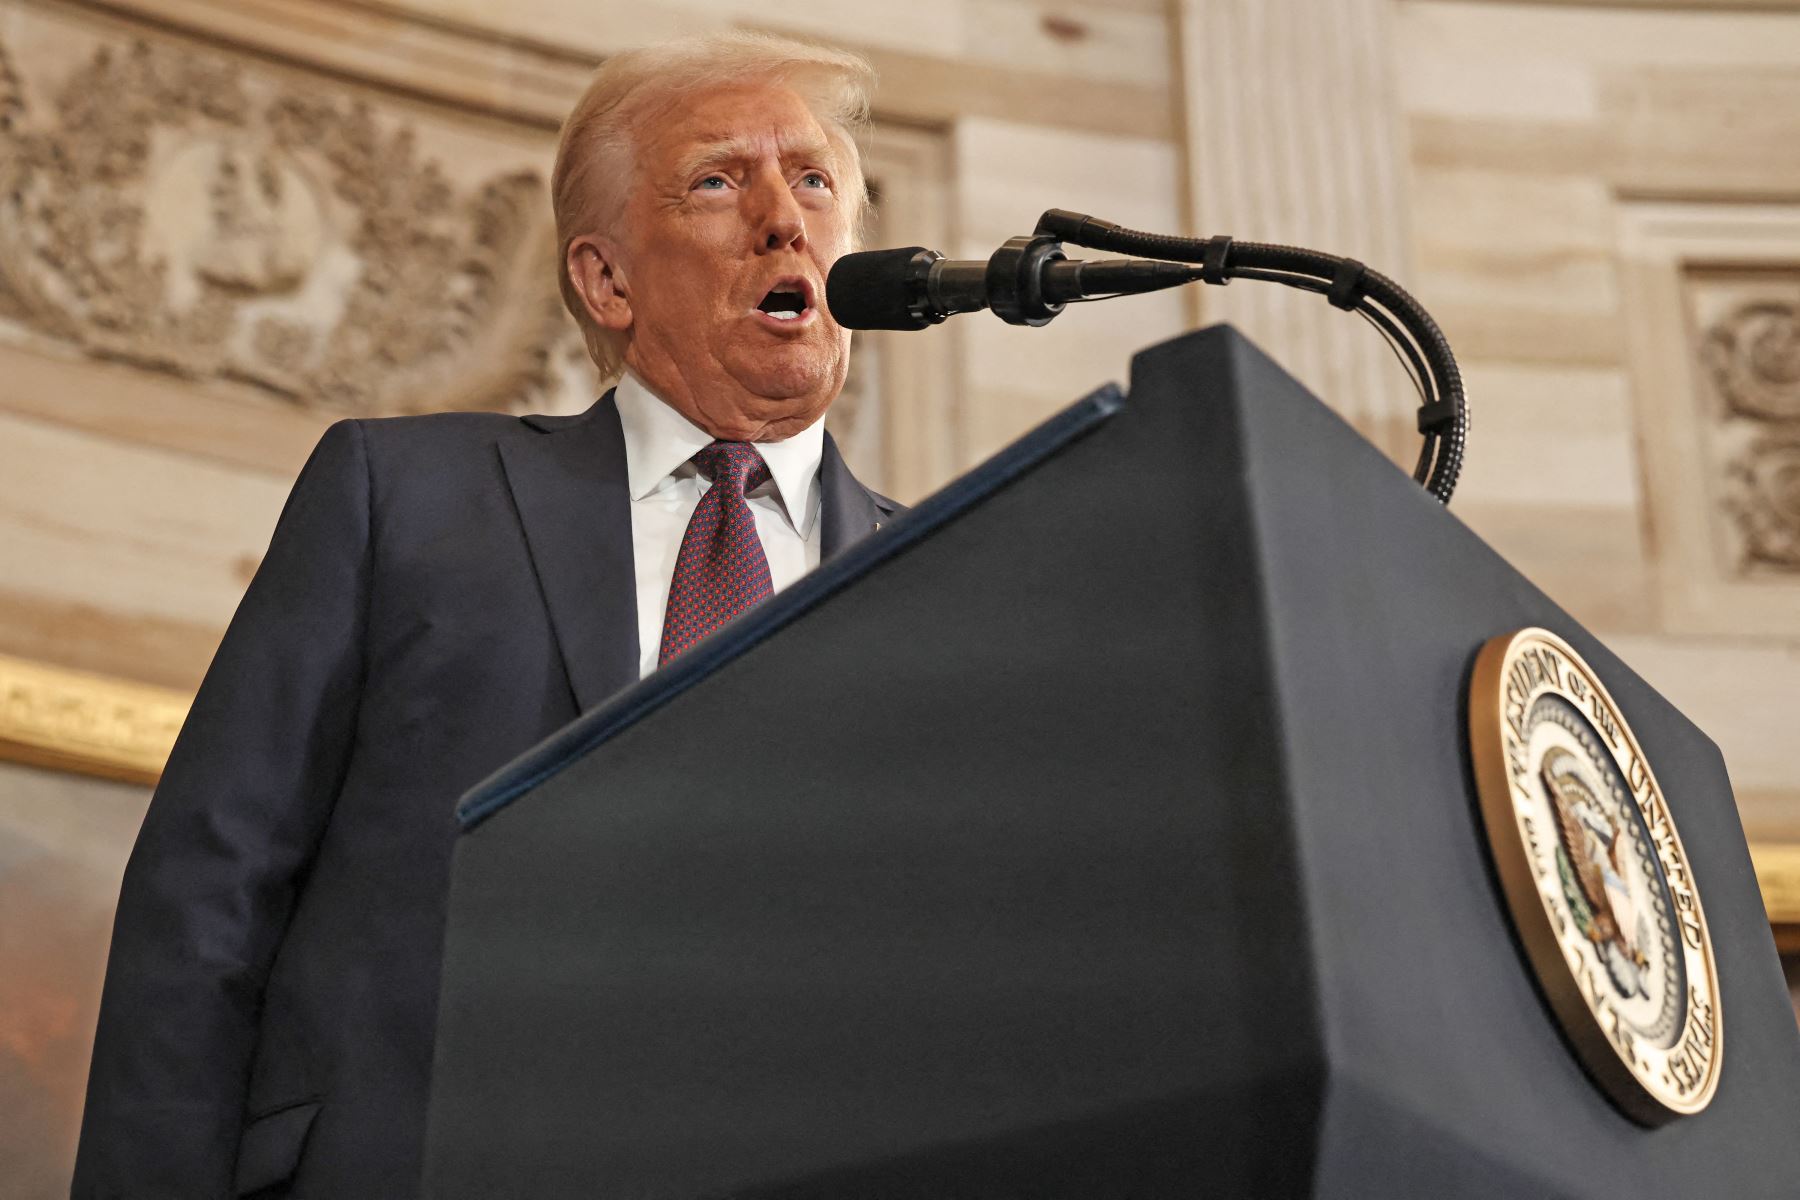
x: 814, y: 179
x: 712, y: 183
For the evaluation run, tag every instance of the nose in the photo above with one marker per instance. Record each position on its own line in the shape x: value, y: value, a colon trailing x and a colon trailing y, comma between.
x: 779, y: 222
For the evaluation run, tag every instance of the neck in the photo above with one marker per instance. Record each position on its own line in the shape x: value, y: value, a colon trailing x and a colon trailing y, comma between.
x: 719, y: 404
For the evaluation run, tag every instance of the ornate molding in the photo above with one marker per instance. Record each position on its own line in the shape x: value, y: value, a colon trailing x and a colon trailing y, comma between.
x: 165, y: 207
x: 527, y: 70
x: 1752, y: 355
x: 1693, y: 277
x: 441, y: 59
x: 1749, y: 354
x: 1763, y: 497
x: 73, y: 721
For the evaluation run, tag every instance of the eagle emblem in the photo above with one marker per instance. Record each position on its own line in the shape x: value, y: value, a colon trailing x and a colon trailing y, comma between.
x: 1591, y: 859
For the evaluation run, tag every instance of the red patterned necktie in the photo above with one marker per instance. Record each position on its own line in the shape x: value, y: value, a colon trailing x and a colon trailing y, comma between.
x: 722, y: 569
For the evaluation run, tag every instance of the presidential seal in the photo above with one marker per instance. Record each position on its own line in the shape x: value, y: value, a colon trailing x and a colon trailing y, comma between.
x: 1595, y: 876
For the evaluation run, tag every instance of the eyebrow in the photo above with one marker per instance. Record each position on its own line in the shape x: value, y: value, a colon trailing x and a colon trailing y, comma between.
x: 720, y: 149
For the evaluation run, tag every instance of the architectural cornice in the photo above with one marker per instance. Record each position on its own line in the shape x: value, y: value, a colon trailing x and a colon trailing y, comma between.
x: 535, y: 81
x: 373, y: 44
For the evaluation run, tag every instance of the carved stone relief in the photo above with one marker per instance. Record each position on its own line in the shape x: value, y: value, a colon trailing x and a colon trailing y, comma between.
x: 181, y: 211
x: 1765, y: 499
x: 1750, y: 356
x: 1753, y: 356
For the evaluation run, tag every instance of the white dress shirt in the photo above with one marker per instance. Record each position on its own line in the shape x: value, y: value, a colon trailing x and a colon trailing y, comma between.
x: 666, y: 488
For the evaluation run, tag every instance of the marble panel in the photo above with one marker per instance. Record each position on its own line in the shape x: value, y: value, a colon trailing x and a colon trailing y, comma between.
x: 1122, y: 44
x: 1590, y: 560
x: 132, y: 530
x: 1740, y: 691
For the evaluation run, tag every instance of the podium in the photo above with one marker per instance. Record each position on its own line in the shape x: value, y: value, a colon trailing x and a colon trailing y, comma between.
x: 1103, y: 827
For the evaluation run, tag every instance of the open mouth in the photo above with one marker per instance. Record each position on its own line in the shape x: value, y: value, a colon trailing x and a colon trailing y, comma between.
x: 788, y: 300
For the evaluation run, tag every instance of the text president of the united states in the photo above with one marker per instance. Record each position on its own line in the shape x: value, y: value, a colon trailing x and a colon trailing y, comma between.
x: 441, y: 593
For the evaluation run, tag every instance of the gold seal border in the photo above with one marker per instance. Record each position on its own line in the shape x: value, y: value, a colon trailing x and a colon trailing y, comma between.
x: 1512, y: 863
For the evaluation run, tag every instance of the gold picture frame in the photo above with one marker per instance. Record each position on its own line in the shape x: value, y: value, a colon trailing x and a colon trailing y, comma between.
x: 70, y: 720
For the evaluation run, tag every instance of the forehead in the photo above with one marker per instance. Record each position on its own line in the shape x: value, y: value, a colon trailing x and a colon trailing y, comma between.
x: 747, y: 120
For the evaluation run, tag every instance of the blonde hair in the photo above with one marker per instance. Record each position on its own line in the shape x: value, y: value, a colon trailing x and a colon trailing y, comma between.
x: 594, y: 163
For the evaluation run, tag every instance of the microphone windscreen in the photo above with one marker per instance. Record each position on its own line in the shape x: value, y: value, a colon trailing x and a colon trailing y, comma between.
x: 869, y: 290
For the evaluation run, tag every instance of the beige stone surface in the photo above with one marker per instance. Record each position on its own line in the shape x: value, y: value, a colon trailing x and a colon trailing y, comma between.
x: 1294, y: 137
x: 1008, y: 173
x: 1553, y: 252
x: 1551, y: 436
x: 1741, y: 692
x: 221, y: 424
x: 95, y: 525
x: 1576, y: 170
x: 1122, y: 43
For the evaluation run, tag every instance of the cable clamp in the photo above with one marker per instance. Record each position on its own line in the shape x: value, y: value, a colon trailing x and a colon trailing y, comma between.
x: 1347, y: 289
x: 1212, y: 268
x: 1438, y: 415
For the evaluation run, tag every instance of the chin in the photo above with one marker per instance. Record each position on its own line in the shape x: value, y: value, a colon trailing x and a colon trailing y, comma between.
x: 790, y: 380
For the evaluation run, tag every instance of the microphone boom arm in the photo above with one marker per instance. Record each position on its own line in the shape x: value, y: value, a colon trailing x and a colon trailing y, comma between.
x: 1029, y: 280
x: 1443, y: 417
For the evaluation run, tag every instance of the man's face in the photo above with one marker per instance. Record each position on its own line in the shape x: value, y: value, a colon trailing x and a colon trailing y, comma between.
x: 738, y: 208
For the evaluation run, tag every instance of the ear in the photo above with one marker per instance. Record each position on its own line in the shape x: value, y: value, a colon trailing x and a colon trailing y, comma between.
x: 593, y: 268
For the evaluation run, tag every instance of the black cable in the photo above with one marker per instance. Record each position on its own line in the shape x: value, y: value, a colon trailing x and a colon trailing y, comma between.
x: 1381, y: 325
x: 1398, y: 343
x: 1443, y: 418
x: 1401, y: 345
x: 1375, y: 316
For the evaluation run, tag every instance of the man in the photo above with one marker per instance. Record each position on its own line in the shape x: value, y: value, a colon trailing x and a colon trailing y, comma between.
x: 440, y: 594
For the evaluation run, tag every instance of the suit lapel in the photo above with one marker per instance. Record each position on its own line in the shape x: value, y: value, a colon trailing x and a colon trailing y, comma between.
x: 849, y: 511
x: 569, y: 484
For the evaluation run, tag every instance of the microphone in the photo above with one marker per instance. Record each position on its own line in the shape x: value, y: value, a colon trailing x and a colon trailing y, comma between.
x: 1026, y: 282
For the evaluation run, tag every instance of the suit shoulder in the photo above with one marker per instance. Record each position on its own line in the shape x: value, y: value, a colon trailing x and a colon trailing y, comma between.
x: 452, y: 428
x: 441, y: 441
x: 431, y: 454
x: 439, y: 428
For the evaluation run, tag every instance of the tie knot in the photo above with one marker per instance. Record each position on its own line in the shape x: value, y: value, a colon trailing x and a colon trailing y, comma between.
x: 736, y: 462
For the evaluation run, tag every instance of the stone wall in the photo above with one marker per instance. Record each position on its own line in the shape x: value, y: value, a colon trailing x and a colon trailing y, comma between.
x: 1597, y: 224
x: 226, y: 223
x: 233, y: 224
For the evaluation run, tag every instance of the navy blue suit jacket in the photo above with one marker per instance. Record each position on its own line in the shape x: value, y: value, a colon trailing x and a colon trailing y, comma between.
x: 440, y: 594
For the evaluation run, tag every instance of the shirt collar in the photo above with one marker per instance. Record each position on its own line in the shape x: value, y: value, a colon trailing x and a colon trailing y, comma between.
x: 659, y: 441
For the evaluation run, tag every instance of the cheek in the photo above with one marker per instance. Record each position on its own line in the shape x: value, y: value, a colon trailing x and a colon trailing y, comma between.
x: 688, y: 272
x: 832, y: 240
x: 687, y: 304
